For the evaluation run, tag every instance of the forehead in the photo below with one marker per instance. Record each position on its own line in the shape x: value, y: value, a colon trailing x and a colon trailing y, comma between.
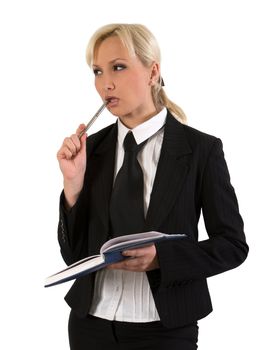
x: 109, y: 50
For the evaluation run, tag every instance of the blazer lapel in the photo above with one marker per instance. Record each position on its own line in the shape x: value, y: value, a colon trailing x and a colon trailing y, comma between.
x: 171, y: 172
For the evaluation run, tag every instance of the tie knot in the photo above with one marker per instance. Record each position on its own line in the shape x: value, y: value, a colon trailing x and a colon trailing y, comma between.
x: 129, y: 143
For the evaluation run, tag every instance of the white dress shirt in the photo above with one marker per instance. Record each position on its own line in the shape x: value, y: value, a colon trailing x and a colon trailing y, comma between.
x: 124, y: 295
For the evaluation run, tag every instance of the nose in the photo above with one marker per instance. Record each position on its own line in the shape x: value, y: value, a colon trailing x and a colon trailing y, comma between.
x: 109, y: 85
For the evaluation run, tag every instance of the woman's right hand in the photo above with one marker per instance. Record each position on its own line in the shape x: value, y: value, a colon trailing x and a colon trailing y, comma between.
x: 72, y: 161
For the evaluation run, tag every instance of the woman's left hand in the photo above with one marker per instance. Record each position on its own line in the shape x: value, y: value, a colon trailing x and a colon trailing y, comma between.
x: 141, y: 259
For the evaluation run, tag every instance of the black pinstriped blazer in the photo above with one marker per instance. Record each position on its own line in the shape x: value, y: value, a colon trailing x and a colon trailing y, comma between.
x: 191, y: 177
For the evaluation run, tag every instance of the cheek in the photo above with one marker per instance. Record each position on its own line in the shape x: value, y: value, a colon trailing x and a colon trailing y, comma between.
x: 98, y: 85
x: 143, y: 80
x: 135, y: 80
x: 142, y: 87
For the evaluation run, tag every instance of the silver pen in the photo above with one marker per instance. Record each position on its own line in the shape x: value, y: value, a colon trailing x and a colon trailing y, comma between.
x: 92, y: 120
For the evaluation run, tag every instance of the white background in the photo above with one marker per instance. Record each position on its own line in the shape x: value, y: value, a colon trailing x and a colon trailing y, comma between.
x: 216, y: 65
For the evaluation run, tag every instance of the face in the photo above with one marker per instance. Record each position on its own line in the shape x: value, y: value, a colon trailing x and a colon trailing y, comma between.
x: 125, y: 82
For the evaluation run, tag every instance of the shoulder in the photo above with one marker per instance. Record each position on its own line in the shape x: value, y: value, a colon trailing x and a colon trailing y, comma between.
x: 198, y: 141
x: 206, y: 148
x: 185, y: 139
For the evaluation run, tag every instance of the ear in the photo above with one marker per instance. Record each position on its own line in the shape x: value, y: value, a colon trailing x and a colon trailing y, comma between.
x: 154, y: 73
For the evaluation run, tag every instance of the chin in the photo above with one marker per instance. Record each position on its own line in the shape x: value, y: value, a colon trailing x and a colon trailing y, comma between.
x: 119, y: 112
x: 114, y: 112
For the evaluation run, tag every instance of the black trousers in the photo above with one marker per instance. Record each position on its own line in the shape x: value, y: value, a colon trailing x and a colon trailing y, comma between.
x: 93, y: 333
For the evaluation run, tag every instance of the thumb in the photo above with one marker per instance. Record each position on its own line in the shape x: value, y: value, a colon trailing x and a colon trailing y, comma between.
x: 83, y: 137
x: 83, y: 141
x: 80, y: 129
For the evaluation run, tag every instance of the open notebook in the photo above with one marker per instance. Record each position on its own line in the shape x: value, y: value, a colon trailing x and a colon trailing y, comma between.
x: 110, y: 252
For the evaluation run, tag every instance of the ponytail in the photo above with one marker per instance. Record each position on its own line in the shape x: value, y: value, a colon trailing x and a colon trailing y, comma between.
x: 161, y: 100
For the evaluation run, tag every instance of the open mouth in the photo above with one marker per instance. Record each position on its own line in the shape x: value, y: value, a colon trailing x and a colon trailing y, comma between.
x: 112, y: 101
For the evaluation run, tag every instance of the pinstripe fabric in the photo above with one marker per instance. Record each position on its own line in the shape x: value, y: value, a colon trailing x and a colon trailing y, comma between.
x: 192, y: 177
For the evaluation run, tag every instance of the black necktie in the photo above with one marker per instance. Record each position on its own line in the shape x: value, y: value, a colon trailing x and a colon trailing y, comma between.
x: 126, y: 206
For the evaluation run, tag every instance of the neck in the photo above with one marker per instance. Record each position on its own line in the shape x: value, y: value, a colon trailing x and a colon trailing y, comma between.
x: 132, y: 120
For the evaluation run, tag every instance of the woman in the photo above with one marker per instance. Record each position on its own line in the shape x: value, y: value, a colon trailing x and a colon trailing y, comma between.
x: 154, y: 299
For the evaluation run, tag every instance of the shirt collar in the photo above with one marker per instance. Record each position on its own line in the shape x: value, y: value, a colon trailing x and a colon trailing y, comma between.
x: 145, y: 130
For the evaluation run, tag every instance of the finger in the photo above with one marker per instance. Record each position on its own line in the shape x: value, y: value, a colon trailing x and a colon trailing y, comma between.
x: 133, y: 253
x: 123, y: 265
x: 136, y: 264
x: 116, y: 266
x: 80, y: 128
x: 83, y: 140
x: 64, y: 153
x: 76, y: 141
x: 69, y: 144
x: 82, y: 136
x: 139, y: 251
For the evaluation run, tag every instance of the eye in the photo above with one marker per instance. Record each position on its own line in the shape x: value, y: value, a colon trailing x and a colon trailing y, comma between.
x: 119, y: 67
x: 97, y: 71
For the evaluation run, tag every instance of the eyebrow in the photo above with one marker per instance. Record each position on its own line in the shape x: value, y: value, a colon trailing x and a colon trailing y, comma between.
x: 112, y: 61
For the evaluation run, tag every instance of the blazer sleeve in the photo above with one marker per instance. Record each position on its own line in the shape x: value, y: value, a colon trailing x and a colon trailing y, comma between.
x: 226, y: 248
x: 72, y: 228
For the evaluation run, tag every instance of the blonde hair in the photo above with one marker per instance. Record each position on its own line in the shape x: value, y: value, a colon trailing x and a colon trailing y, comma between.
x: 141, y: 42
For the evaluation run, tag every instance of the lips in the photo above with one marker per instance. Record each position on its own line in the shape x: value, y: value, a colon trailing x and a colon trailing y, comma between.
x: 112, y: 101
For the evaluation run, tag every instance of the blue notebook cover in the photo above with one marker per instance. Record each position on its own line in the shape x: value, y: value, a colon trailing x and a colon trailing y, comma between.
x: 111, y: 252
